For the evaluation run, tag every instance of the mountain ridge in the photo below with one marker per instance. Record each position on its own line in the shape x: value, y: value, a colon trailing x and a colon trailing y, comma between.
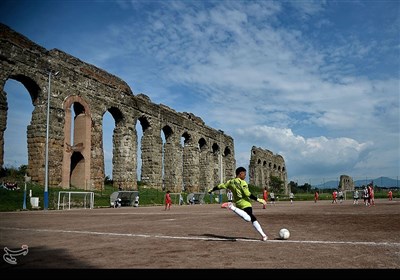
x: 383, y: 182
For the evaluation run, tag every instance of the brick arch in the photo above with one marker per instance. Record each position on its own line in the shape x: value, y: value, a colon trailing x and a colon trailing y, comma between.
x: 76, y: 166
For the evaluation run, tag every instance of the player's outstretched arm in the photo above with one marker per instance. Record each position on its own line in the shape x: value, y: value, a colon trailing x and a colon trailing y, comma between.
x: 260, y: 200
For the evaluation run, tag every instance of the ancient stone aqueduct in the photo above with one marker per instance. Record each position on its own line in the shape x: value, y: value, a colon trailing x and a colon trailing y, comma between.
x: 263, y: 165
x: 80, y: 96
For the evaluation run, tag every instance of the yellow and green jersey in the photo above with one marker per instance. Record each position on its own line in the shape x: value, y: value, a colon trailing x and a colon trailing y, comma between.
x: 240, y: 190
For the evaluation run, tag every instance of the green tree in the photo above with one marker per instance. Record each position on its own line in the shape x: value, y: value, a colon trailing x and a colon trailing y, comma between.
x: 306, y: 188
x: 276, y: 184
x: 293, y: 187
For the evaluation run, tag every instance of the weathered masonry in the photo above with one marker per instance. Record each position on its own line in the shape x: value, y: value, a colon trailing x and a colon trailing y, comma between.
x: 346, y: 183
x: 178, y: 151
x: 263, y: 165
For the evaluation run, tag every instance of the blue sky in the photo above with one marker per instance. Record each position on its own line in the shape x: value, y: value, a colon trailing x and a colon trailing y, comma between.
x: 314, y: 81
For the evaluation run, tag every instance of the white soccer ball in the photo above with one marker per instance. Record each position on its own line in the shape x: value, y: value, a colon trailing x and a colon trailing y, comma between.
x: 284, y: 233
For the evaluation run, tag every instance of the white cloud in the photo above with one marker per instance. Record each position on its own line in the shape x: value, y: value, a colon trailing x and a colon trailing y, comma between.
x: 303, y: 156
x: 262, y: 73
x: 290, y: 77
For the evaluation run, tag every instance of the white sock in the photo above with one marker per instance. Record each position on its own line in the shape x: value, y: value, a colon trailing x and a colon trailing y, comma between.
x: 257, y: 226
x: 240, y: 212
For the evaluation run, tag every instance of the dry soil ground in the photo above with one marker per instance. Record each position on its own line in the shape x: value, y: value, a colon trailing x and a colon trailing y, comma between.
x: 323, y: 236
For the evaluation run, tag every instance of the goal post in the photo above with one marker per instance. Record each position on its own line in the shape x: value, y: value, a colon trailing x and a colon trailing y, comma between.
x: 75, y: 200
x: 177, y: 198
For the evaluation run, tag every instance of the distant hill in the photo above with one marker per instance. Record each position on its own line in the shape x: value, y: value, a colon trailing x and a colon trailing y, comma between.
x: 384, y: 182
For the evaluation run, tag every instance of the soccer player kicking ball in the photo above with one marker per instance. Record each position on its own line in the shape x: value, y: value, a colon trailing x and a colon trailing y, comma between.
x: 242, y: 196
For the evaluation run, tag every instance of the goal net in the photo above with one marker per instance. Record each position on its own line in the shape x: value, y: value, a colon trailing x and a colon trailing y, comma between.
x: 176, y: 198
x: 68, y: 200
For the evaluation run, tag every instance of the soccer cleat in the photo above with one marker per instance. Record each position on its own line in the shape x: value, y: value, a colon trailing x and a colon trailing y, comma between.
x: 225, y: 205
x: 264, y: 238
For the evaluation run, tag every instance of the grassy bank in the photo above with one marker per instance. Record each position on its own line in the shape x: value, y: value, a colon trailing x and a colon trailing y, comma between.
x: 13, y: 200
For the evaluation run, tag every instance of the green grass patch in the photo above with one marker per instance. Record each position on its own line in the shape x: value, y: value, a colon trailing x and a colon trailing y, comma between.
x: 13, y: 200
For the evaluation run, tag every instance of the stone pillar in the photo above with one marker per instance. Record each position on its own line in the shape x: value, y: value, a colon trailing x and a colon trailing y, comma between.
x: 152, y: 158
x: 97, y: 152
x: 3, y: 122
x: 125, y: 157
x: 173, y: 164
x: 191, y: 166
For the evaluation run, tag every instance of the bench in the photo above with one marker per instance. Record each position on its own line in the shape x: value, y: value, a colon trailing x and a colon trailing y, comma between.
x: 126, y: 198
x: 195, y: 198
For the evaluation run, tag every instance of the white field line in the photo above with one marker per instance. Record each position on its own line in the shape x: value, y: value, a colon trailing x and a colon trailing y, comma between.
x: 390, y: 244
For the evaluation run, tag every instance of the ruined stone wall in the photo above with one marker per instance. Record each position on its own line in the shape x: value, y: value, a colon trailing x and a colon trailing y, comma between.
x: 346, y: 183
x: 81, y: 94
x: 263, y: 165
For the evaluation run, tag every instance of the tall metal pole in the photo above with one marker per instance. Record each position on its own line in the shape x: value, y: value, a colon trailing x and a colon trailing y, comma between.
x: 46, y: 178
x: 221, y: 176
x: 24, y: 202
x: 27, y: 179
x: 46, y: 174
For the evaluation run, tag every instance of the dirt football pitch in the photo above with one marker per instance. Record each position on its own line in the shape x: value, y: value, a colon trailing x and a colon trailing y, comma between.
x: 323, y: 236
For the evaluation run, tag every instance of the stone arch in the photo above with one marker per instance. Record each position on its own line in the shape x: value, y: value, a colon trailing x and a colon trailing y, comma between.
x: 31, y: 86
x: 263, y: 165
x: 202, y: 144
x: 29, y: 63
x: 33, y: 90
x: 217, y: 163
x: 77, y: 146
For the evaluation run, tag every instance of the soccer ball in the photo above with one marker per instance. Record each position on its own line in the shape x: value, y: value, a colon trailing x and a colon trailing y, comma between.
x: 284, y: 233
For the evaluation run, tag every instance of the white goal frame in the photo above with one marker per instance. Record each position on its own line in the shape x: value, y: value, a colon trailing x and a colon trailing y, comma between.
x: 175, y: 198
x: 88, y: 199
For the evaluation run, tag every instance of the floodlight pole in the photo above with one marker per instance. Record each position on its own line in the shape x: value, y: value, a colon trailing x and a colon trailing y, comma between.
x: 46, y: 176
